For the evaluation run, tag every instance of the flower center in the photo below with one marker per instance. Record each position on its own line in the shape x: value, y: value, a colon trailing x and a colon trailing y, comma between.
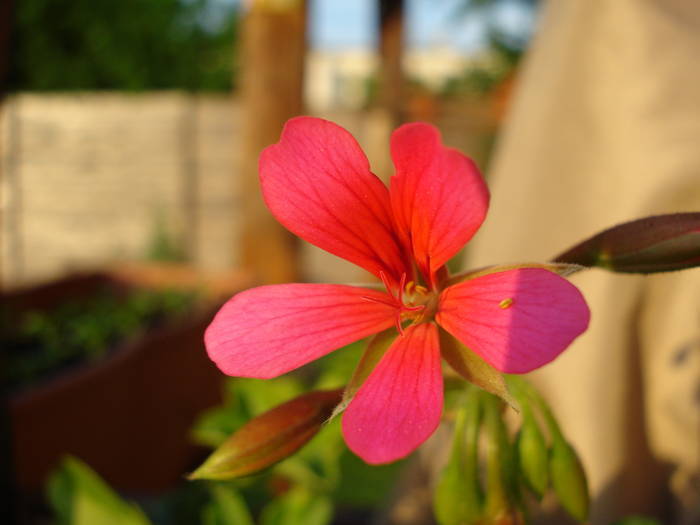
x: 412, y: 302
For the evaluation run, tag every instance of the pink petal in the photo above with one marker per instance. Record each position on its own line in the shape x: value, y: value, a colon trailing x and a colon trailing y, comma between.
x: 400, y: 404
x: 438, y: 196
x: 516, y: 320
x: 270, y: 330
x: 317, y: 182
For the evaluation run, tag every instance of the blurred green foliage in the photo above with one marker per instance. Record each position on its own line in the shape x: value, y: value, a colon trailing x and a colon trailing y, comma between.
x: 83, y: 330
x: 322, y: 481
x: 80, y: 497
x: 131, y: 45
x: 308, y: 487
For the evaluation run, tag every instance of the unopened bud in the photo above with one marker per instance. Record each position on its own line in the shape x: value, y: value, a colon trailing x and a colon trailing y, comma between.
x: 532, y: 455
x: 270, y: 437
x: 459, y: 498
x: 569, y: 479
x: 654, y: 244
x: 501, y: 475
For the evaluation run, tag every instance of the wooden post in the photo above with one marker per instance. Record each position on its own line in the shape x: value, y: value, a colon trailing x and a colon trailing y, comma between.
x: 274, y: 45
x: 391, y: 52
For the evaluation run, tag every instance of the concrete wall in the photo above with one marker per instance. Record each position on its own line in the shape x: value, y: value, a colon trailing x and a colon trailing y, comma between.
x: 88, y: 180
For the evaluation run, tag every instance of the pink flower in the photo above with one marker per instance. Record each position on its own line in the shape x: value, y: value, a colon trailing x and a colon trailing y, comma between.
x: 317, y: 182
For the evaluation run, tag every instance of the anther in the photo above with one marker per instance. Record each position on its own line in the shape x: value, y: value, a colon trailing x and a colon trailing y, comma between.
x: 506, y: 303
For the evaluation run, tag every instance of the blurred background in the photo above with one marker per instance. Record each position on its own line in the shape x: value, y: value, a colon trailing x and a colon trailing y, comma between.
x: 125, y: 127
x: 130, y: 209
x: 129, y: 138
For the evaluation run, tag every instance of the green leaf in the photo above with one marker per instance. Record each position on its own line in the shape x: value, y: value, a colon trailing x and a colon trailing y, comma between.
x: 376, y: 348
x: 243, y: 399
x: 660, y: 243
x: 227, y: 508
x: 298, y: 507
x: 80, y: 497
x: 361, y: 485
x: 338, y: 366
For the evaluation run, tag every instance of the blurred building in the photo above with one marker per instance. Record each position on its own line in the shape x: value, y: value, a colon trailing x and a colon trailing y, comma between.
x: 345, y: 78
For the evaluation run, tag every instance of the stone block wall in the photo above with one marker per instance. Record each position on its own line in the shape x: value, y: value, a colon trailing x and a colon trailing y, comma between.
x: 88, y: 180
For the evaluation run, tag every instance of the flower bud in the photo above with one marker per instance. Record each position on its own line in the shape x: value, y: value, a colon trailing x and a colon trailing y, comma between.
x: 459, y: 498
x: 532, y: 455
x: 270, y: 437
x: 501, y: 476
x: 569, y: 479
x: 654, y: 244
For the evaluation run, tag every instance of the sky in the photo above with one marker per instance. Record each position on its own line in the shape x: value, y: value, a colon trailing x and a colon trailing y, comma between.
x: 338, y: 24
x: 351, y: 24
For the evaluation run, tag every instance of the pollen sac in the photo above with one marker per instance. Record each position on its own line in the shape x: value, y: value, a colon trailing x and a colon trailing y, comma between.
x: 506, y: 303
x: 270, y: 437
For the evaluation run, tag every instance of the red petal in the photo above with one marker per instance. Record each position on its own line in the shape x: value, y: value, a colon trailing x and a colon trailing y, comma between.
x: 317, y: 182
x: 270, y: 330
x: 517, y: 320
x: 438, y: 196
x: 400, y: 404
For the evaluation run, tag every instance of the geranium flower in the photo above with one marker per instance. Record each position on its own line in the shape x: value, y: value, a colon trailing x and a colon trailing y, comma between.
x: 317, y: 182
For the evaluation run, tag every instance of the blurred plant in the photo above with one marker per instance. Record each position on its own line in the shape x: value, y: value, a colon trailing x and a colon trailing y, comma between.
x: 259, y: 419
x: 128, y: 45
x: 79, y: 496
x: 162, y: 246
x: 530, y: 463
x: 84, y: 330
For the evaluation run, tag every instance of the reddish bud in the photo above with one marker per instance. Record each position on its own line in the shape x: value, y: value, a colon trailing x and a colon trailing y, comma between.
x: 654, y: 244
x: 270, y: 437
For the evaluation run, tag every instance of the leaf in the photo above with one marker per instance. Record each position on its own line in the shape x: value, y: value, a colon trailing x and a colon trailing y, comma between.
x: 298, y: 507
x: 80, y: 497
x: 227, y: 508
x: 376, y: 348
x: 243, y: 399
x: 474, y: 369
x: 270, y: 437
x: 660, y: 243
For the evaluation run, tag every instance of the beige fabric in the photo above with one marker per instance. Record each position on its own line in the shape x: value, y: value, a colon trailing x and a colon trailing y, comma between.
x: 605, y: 127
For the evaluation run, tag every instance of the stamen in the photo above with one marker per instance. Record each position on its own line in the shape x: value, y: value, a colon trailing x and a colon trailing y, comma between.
x: 385, y: 280
x: 381, y: 300
x: 398, y: 324
x: 402, y: 283
x: 506, y: 303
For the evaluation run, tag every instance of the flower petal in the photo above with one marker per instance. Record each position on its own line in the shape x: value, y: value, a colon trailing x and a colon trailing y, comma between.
x: 517, y: 320
x: 400, y: 404
x: 438, y: 196
x: 270, y: 330
x: 317, y: 182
